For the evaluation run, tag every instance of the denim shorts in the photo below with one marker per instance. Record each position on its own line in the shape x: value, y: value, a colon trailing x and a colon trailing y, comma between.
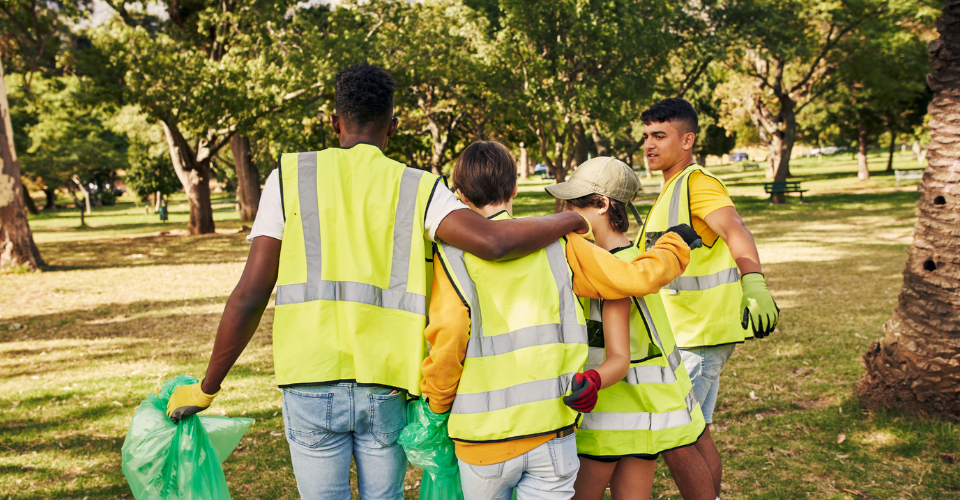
x: 704, y: 365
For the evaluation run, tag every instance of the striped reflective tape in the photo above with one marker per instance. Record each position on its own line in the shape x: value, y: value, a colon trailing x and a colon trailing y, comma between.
x: 527, y: 392
x: 640, y: 421
x: 689, y: 283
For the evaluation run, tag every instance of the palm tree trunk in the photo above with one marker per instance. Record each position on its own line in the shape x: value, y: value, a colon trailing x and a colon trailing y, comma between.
x: 916, y: 366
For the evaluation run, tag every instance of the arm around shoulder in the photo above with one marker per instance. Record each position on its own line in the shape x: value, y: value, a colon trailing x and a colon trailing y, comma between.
x: 598, y: 274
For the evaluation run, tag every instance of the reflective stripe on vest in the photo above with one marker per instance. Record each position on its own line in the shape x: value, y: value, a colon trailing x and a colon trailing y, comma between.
x: 315, y: 288
x: 567, y: 331
x: 640, y: 420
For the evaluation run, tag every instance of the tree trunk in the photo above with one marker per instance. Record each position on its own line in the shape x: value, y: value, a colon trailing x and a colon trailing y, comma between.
x: 602, y: 149
x: 17, y: 248
x: 863, y: 171
x: 248, y: 178
x: 28, y: 202
x: 917, y: 152
x: 86, y: 194
x: 51, y: 203
x: 890, y: 150
x: 702, y: 160
x: 579, y: 144
x: 524, y: 166
x: 195, y: 177
x: 916, y: 366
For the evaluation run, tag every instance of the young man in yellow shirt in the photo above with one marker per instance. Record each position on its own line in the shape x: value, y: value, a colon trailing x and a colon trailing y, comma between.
x: 702, y: 305
x: 509, y: 424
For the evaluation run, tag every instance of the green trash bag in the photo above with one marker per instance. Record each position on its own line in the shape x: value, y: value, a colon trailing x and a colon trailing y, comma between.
x: 167, y: 461
x: 427, y: 446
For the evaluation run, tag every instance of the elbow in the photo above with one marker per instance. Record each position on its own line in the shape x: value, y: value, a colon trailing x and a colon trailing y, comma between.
x: 492, y: 248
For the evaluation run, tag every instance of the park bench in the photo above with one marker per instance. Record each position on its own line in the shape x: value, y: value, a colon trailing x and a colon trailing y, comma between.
x: 773, y: 188
x: 750, y: 164
x: 914, y: 174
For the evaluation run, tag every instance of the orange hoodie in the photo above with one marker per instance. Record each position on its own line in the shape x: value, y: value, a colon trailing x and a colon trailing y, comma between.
x: 597, y: 274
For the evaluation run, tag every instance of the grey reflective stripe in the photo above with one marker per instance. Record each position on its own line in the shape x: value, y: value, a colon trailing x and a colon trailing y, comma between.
x: 315, y: 288
x: 647, y: 374
x: 454, y: 259
x: 349, y: 291
x: 569, y: 304
x: 674, y: 215
x: 521, y: 338
x: 527, y: 392
x: 403, y: 227
x: 640, y: 421
x: 731, y: 275
x: 309, y: 216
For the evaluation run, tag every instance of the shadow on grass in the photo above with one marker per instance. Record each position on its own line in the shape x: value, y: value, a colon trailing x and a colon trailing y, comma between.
x: 144, y: 251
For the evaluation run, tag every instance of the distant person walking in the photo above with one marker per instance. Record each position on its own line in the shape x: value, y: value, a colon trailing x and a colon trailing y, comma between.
x: 347, y: 235
x: 722, y: 298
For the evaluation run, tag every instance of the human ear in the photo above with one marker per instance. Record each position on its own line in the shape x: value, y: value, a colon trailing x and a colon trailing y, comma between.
x: 516, y: 187
x: 606, y: 205
x: 335, y: 123
x: 688, y: 140
x: 394, y: 125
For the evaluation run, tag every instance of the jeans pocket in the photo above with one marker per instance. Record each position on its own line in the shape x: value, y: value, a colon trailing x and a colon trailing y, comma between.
x: 487, y: 471
x: 563, y: 452
x: 308, y: 416
x: 388, y: 416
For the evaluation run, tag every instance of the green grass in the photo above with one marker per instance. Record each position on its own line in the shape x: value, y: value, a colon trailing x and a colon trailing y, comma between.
x: 120, y: 308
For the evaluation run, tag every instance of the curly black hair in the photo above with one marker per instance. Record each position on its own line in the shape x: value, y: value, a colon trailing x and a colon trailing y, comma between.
x: 675, y: 110
x: 364, y: 95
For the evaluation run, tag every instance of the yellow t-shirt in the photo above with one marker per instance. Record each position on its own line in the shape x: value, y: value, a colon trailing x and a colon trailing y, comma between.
x: 706, y: 196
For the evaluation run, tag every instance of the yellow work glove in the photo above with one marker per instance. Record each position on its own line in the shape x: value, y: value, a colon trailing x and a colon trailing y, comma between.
x: 589, y: 234
x: 188, y: 400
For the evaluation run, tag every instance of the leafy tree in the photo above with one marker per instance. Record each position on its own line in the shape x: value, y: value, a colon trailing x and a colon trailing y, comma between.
x: 209, y: 70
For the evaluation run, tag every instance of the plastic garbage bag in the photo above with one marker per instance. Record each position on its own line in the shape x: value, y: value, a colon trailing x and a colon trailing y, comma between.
x: 427, y: 446
x: 167, y: 461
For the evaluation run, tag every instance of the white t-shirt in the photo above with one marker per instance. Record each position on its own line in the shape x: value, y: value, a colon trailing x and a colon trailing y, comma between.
x: 269, y: 221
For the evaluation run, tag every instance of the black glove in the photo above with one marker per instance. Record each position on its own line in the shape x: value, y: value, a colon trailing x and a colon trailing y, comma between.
x: 690, y: 237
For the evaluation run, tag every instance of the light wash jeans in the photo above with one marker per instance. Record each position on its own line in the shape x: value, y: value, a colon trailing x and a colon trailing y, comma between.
x: 704, y: 365
x: 328, y: 425
x: 545, y: 472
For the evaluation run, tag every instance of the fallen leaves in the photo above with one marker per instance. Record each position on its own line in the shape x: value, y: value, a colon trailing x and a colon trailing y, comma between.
x: 841, y: 438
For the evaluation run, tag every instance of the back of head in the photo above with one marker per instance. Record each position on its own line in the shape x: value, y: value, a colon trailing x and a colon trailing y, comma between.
x: 485, y: 173
x: 675, y: 110
x: 364, y: 96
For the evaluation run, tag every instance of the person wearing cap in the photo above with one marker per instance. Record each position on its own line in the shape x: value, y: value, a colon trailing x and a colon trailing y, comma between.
x: 509, y: 340
x: 653, y: 409
x: 722, y: 298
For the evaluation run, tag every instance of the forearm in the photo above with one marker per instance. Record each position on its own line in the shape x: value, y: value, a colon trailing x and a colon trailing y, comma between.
x: 744, y: 250
x: 599, y: 274
x: 240, y: 320
x: 613, y: 369
x: 506, y: 239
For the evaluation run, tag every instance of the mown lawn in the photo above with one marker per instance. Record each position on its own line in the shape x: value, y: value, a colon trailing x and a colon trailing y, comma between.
x: 121, y: 307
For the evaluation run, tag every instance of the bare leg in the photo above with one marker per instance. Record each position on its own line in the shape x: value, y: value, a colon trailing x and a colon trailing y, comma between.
x: 691, y: 473
x: 708, y: 450
x: 592, y: 479
x: 632, y: 479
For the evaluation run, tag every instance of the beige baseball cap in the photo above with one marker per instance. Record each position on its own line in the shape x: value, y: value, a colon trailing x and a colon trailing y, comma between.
x: 603, y: 175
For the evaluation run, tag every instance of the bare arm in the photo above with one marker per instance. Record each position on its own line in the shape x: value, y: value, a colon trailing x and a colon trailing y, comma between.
x: 243, y: 311
x: 616, y: 339
x: 726, y: 222
x: 506, y: 239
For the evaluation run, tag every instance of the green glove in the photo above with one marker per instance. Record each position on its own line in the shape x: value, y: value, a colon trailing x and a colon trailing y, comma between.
x: 757, y: 306
x: 188, y: 400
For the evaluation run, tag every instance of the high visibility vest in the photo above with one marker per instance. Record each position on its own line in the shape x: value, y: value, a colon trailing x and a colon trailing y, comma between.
x: 352, y: 286
x: 527, y: 339
x: 703, y: 304
x: 654, y: 408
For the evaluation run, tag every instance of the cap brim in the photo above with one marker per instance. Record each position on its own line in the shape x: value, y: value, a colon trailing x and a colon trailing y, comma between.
x: 567, y: 191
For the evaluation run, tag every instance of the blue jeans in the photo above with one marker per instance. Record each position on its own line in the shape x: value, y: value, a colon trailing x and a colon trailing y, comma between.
x: 704, y: 365
x: 545, y: 472
x: 328, y: 425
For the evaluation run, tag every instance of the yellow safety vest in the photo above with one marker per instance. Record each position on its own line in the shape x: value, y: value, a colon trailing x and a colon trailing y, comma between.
x: 703, y: 304
x: 653, y: 409
x: 352, y: 286
x: 527, y: 339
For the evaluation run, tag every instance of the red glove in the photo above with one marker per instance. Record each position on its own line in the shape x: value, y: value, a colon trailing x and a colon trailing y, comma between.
x: 585, y: 387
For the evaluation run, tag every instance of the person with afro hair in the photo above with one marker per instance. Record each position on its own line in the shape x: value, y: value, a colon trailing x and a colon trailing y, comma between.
x: 347, y: 233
